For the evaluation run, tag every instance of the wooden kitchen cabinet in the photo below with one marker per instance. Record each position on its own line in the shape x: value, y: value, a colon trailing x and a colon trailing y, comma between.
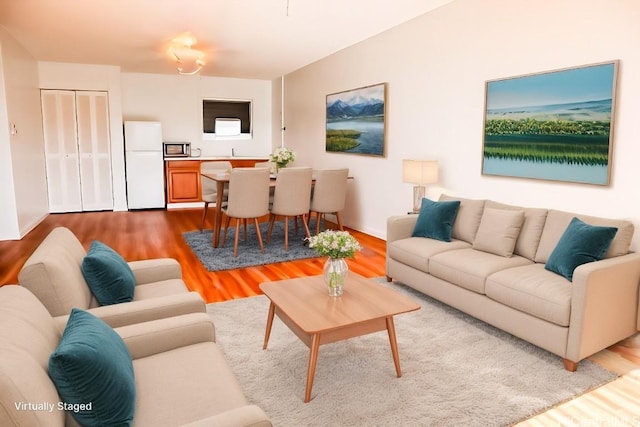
x: 183, y: 181
x: 183, y: 178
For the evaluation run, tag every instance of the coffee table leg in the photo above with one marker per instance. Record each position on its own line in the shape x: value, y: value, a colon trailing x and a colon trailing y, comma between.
x: 267, y: 332
x: 391, y: 329
x: 313, y: 359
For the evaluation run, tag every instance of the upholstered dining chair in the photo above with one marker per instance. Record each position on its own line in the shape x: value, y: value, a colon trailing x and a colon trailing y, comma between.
x: 248, y: 199
x: 269, y: 165
x: 291, y: 199
x: 329, y: 194
x: 209, y: 186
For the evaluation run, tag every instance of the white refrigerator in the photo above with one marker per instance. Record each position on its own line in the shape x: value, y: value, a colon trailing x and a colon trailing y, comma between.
x: 144, y: 164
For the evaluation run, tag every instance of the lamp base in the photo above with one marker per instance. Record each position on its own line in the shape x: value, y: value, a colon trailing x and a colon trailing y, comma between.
x: 418, y: 195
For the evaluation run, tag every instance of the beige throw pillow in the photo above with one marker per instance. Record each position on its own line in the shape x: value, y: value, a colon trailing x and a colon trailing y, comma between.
x: 498, y: 231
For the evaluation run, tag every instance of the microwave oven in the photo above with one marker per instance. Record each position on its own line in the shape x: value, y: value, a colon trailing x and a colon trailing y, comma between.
x: 177, y: 149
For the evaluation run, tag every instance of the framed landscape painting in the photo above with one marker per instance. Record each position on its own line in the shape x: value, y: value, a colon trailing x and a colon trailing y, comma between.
x: 555, y: 125
x: 355, y: 121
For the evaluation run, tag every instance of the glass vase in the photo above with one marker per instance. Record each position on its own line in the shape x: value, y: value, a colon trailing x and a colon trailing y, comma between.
x: 335, y: 274
x: 279, y: 166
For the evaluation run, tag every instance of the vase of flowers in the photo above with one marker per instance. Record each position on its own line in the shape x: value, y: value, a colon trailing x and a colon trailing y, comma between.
x: 281, y: 157
x: 335, y: 272
x: 337, y: 245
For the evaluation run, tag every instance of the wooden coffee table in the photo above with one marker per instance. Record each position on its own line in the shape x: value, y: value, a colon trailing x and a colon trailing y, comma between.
x: 304, y: 305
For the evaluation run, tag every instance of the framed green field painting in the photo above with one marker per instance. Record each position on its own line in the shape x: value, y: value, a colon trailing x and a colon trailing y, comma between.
x: 555, y: 125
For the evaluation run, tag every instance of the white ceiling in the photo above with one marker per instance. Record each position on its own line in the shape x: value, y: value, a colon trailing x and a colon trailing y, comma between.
x: 260, y: 39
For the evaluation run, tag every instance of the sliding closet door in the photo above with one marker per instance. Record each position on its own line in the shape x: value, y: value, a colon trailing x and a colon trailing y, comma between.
x: 61, y: 150
x: 92, y: 109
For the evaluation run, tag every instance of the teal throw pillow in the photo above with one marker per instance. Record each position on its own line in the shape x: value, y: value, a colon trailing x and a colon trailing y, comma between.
x: 108, y: 275
x: 580, y: 243
x: 93, y: 372
x: 435, y: 219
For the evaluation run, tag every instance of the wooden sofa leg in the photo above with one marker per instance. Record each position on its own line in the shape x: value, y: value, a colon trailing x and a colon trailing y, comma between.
x: 570, y: 365
x: 389, y: 279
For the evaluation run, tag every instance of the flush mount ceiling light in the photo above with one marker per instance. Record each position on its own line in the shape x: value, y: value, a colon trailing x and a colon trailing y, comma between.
x: 189, y: 61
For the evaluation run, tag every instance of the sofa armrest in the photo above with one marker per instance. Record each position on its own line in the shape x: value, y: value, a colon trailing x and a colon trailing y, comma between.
x: 604, y: 304
x: 245, y: 416
x: 400, y: 227
x: 127, y: 313
x: 155, y: 270
x: 149, y: 338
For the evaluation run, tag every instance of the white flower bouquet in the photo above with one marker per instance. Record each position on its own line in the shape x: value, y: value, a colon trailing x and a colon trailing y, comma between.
x: 282, y: 156
x: 334, y: 244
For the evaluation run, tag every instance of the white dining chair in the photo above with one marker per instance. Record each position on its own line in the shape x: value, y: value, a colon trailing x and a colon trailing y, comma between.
x: 329, y: 194
x: 291, y: 199
x: 248, y: 199
x: 209, y: 188
x: 269, y: 165
x: 272, y: 167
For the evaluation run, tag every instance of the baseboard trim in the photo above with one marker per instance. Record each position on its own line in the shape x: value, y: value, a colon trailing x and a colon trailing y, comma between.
x: 185, y: 205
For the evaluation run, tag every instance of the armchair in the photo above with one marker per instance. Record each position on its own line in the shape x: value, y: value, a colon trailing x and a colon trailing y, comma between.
x: 53, y: 274
x: 181, y: 375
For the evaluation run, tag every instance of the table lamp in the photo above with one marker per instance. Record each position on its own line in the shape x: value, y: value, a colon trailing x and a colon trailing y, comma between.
x: 419, y: 172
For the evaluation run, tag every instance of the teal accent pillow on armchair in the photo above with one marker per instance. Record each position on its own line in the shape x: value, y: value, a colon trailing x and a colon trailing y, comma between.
x: 579, y: 244
x: 435, y: 219
x: 93, y: 372
x: 108, y: 275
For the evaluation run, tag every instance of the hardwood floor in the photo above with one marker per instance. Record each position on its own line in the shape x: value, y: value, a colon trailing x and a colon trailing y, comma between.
x: 158, y: 233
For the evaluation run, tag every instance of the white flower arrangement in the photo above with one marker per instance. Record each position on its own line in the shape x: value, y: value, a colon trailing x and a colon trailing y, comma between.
x: 335, y: 244
x: 282, y: 156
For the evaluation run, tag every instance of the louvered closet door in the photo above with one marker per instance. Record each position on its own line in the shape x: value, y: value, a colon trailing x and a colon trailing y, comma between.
x: 61, y: 150
x: 92, y: 112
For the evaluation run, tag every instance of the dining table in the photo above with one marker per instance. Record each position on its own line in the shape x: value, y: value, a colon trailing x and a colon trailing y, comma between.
x: 222, y: 179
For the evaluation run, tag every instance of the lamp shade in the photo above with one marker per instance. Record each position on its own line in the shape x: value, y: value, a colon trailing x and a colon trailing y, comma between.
x: 420, y: 172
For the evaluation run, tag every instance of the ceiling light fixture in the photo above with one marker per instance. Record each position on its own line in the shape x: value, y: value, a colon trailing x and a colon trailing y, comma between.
x: 189, y: 61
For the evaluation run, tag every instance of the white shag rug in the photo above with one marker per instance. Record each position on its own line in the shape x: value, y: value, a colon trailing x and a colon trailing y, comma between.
x: 457, y: 371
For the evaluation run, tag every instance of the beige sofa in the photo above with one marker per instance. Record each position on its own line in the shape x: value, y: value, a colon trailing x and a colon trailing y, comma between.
x: 53, y: 274
x: 181, y: 376
x: 514, y: 292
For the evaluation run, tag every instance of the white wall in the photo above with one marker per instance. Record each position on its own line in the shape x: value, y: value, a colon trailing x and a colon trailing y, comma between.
x: 436, y: 67
x: 176, y: 101
x: 23, y: 190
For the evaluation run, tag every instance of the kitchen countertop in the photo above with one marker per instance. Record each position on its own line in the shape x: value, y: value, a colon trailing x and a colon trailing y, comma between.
x: 169, y: 159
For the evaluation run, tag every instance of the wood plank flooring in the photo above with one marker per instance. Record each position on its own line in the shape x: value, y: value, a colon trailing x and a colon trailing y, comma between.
x: 158, y: 233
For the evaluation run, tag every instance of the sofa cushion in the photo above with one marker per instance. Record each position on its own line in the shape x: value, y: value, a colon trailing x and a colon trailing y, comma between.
x: 212, y: 387
x: 498, y: 231
x: 28, y: 335
x: 468, y: 218
x: 108, y: 275
x: 557, y: 222
x: 581, y: 243
x: 435, y: 219
x: 469, y: 268
x: 531, y: 230
x: 159, y: 289
x: 92, y: 365
x: 52, y: 273
x: 532, y: 290
x: 416, y: 251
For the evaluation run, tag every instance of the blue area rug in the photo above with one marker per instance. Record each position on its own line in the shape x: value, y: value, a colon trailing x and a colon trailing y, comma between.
x: 221, y: 258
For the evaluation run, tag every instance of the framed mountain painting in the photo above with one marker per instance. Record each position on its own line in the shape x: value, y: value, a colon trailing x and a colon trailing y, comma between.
x: 555, y: 125
x: 356, y: 121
